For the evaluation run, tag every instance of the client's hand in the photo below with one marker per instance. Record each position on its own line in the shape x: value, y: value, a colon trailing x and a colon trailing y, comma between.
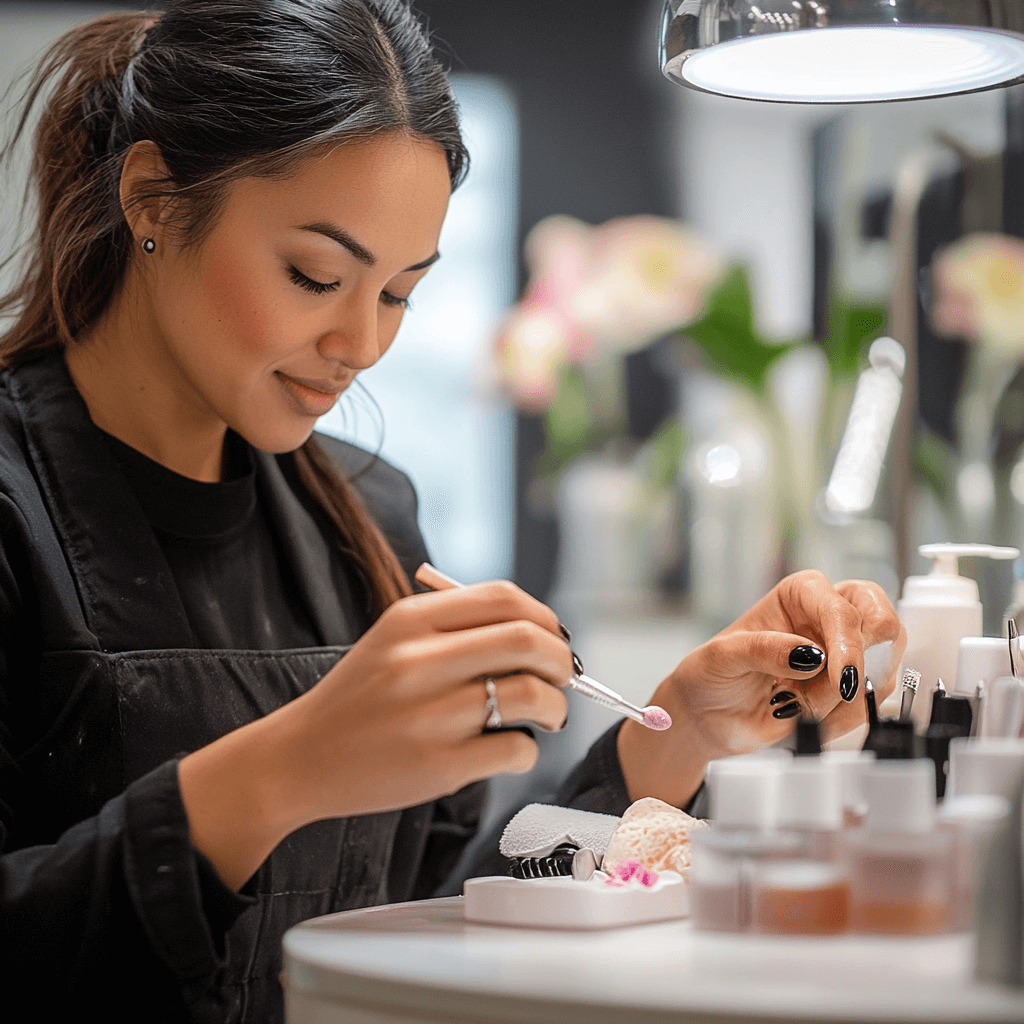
x: 800, y: 648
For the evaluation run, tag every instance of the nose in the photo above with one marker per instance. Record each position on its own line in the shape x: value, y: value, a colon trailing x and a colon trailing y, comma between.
x: 354, y: 340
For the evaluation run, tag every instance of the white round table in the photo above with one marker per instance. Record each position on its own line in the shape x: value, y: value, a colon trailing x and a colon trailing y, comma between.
x: 421, y: 962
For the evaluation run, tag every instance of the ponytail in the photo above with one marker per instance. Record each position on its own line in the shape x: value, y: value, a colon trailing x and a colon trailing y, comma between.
x: 81, y: 244
x: 224, y: 90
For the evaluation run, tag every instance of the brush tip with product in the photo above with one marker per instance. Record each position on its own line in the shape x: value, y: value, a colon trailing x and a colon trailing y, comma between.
x: 656, y: 718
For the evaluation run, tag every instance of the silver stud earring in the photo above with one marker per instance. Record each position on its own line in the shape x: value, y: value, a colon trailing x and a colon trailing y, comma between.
x: 149, y: 246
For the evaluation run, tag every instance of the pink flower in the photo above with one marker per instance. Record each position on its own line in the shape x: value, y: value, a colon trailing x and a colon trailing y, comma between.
x: 530, y: 347
x: 595, y: 292
x: 979, y: 291
x: 630, y: 870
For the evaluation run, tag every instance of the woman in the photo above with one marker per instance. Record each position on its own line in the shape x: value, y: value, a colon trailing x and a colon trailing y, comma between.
x: 235, y: 200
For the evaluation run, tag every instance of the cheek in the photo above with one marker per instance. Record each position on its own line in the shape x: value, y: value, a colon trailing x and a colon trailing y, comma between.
x: 239, y: 301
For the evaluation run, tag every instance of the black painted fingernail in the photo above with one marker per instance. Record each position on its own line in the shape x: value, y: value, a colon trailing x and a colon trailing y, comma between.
x: 848, y: 683
x: 781, y: 698
x: 565, y: 633
x: 787, y: 711
x: 577, y: 665
x: 806, y: 657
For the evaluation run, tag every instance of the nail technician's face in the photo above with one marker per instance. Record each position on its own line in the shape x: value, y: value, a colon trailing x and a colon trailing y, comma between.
x: 302, y: 283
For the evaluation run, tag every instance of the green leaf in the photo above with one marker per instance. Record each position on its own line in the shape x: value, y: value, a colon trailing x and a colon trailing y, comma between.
x: 665, y: 449
x: 569, y: 424
x: 727, y: 336
x: 933, y: 463
x: 851, y: 327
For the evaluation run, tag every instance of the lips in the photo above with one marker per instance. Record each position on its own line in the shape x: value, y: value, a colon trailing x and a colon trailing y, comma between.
x: 314, y: 396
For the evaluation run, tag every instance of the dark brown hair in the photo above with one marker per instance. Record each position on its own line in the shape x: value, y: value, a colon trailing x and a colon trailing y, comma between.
x: 225, y: 89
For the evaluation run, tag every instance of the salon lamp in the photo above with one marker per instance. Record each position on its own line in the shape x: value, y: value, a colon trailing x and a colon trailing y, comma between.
x: 842, y: 51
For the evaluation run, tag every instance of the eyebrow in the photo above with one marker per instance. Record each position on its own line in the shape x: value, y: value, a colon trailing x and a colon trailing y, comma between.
x: 356, y: 248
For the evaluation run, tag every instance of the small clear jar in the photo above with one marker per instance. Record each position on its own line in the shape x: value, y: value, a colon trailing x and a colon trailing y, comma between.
x: 723, y: 863
x: 799, y: 897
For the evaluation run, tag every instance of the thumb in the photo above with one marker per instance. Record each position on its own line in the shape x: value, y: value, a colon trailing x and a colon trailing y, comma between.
x: 783, y: 655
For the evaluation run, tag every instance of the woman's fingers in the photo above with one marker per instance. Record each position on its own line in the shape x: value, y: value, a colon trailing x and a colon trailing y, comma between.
x: 478, y: 604
x: 442, y: 660
x: 488, y: 754
x: 521, y: 698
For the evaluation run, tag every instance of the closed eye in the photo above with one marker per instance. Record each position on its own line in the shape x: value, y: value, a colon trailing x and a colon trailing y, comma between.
x: 395, y: 300
x: 307, y: 283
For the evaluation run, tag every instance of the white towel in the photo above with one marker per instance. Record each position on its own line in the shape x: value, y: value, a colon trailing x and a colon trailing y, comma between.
x: 538, y: 828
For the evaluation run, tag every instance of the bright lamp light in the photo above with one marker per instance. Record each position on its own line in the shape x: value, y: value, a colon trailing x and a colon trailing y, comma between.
x: 844, y: 51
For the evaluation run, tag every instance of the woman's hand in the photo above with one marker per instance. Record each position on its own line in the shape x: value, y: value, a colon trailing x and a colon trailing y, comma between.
x: 397, y: 722
x: 799, y: 649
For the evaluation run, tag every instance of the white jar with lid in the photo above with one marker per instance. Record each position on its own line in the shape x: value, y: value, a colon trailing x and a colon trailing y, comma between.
x: 938, y: 610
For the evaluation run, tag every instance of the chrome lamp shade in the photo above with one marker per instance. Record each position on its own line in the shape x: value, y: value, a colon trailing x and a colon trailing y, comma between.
x: 842, y: 51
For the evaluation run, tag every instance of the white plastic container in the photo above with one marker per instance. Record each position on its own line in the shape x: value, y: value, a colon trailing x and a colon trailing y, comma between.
x: 938, y: 610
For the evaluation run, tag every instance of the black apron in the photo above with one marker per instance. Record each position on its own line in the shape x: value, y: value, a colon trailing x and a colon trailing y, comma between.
x: 144, y: 694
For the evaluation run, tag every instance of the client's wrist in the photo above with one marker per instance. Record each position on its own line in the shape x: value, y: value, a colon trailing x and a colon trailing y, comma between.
x: 668, y: 765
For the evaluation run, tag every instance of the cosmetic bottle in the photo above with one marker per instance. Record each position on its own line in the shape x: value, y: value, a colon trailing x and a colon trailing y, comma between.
x: 892, y: 740
x: 743, y: 807
x: 938, y: 610
x: 806, y: 892
x: 900, y: 864
x: 973, y: 822
x: 988, y: 765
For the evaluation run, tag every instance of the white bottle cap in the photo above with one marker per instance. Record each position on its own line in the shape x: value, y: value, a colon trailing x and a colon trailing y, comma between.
x: 981, y: 658
x: 809, y: 795
x: 943, y: 585
x: 901, y: 796
x: 851, y: 765
x: 745, y: 794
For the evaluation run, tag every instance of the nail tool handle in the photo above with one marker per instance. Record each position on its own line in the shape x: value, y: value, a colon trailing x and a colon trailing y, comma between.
x: 582, y: 684
x: 606, y: 697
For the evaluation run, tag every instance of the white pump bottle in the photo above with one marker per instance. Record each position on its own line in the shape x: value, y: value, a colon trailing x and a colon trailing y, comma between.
x: 937, y: 611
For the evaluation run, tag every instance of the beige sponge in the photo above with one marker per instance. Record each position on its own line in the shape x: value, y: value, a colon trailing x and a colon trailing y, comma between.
x: 655, y: 833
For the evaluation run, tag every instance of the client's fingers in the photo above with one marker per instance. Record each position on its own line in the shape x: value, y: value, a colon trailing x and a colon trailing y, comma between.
x: 815, y: 606
x: 879, y: 624
x: 783, y: 655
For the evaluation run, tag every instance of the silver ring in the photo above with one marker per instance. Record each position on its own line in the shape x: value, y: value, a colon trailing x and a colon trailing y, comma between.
x: 491, y: 707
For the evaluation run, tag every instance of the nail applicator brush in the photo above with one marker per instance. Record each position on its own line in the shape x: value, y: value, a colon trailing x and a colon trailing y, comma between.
x: 651, y: 716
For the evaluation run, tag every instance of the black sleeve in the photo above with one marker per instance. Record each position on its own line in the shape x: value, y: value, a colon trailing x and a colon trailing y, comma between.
x: 119, y: 910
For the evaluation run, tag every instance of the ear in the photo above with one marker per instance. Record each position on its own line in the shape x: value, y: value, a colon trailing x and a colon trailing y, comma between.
x: 143, y: 168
